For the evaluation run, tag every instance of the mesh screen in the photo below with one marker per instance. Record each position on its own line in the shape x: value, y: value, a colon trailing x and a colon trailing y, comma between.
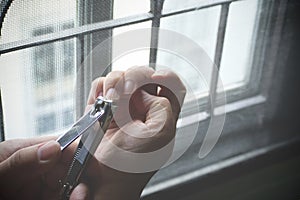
x: 23, y: 17
x: 44, y: 77
x: 38, y: 84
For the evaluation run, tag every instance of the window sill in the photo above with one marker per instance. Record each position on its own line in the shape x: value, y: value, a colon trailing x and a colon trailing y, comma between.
x: 281, y: 147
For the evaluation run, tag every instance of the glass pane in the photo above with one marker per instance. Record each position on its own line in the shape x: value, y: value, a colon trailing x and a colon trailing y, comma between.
x: 201, y: 27
x: 23, y: 16
x: 134, y: 57
x: 38, y: 84
x: 130, y: 7
x: 38, y: 96
x: 45, y: 123
x: 239, y: 40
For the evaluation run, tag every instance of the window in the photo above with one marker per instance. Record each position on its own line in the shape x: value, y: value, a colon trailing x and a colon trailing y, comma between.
x: 44, y: 76
x: 44, y: 59
x: 46, y: 122
x: 49, y: 69
x: 52, y: 59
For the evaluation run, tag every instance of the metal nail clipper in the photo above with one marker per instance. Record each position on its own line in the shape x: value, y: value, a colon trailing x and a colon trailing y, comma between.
x: 92, y: 127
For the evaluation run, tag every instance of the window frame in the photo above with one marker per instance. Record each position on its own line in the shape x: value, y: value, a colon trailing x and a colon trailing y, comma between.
x: 276, y: 131
x: 240, y: 115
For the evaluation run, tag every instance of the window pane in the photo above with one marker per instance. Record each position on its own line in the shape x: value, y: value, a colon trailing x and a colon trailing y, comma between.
x: 45, y: 123
x: 43, y: 63
x: 29, y: 100
x: 134, y: 57
x: 69, y: 57
x: 130, y: 7
x: 201, y: 27
x: 68, y: 117
x: 239, y: 42
x: 38, y: 84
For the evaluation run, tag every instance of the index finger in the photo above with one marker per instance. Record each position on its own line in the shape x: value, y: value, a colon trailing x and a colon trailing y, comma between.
x: 137, y: 77
x: 8, y: 147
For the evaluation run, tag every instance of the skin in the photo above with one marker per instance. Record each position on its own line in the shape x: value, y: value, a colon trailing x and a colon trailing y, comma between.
x: 23, y: 165
x: 23, y: 161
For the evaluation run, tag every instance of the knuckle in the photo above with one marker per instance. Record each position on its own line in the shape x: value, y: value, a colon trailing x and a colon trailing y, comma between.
x: 16, y: 159
x: 163, y: 101
x: 95, y: 82
x: 112, y: 78
x: 165, y: 104
x: 142, y: 71
x: 114, y: 73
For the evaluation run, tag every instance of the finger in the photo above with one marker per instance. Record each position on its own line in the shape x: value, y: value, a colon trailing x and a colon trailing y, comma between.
x: 134, y: 78
x: 151, y: 134
x: 171, y: 87
x: 27, y: 163
x: 52, y: 178
x: 137, y: 77
x: 80, y: 192
x: 113, y: 85
x: 96, y: 90
x: 8, y: 147
x: 158, y: 115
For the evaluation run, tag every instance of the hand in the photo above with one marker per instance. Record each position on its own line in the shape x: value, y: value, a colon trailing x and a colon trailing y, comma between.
x: 22, y: 165
x: 144, y: 122
x: 31, y: 168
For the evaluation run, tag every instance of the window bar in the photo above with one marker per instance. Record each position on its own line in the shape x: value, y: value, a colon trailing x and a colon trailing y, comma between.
x: 2, y: 136
x: 74, y: 32
x: 218, y: 57
x: 80, y: 55
x: 202, y: 5
x: 156, y: 9
x: 82, y: 30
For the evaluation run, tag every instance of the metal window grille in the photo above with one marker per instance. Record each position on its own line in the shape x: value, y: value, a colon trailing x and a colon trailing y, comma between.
x: 104, y: 25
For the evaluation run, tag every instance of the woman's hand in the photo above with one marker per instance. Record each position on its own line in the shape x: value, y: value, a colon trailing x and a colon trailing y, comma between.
x: 31, y: 169
x: 23, y: 163
x: 148, y: 102
x: 144, y: 122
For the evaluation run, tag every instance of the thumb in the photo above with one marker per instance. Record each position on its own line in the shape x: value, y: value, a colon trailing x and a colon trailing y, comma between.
x: 80, y: 192
x: 157, y: 113
x: 28, y: 163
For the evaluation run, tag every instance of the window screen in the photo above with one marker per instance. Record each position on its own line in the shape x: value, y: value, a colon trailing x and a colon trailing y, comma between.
x: 48, y: 71
x: 38, y: 83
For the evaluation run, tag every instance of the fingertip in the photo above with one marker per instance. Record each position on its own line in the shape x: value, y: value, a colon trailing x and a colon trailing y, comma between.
x: 80, y: 192
x: 136, y: 77
x: 48, y: 152
x: 129, y: 86
x: 114, y: 80
x: 164, y: 73
x: 96, y: 90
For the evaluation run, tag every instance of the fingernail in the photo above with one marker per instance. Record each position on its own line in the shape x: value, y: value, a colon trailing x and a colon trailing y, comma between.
x: 129, y: 87
x: 160, y: 73
x: 48, y: 151
x: 112, y: 94
x: 100, y: 94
